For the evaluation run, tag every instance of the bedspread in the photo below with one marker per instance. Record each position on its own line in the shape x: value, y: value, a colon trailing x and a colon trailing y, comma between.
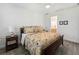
x: 35, y: 42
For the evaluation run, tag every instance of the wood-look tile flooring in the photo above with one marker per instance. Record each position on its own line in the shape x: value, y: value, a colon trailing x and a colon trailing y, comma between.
x: 68, y: 48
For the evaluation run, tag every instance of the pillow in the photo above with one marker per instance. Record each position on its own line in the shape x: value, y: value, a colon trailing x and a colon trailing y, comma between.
x: 28, y: 30
x: 33, y: 29
x: 54, y: 30
x: 38, y: 29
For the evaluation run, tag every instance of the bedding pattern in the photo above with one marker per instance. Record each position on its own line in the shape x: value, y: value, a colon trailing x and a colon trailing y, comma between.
x: 36, y: 42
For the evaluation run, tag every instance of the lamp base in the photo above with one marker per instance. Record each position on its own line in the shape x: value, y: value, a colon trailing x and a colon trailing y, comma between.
x: 12, y: 34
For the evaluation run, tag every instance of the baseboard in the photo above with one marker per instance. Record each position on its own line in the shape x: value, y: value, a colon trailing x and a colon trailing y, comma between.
x: 72, y: 41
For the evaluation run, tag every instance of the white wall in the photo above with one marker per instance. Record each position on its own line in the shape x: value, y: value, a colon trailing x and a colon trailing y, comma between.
x: 22, y: 15
x: 70, y: 31
x: 47, y: 21
x: 17, y: 17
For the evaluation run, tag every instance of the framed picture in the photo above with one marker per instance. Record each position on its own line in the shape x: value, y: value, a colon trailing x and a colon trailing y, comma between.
x: 63, y: 22
x: 60, y: 22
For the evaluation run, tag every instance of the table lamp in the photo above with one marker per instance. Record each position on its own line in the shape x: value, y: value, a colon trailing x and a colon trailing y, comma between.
x: 11, y: 31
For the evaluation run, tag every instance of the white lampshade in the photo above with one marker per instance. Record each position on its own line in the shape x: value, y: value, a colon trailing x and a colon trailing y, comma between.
x: 11, y: 29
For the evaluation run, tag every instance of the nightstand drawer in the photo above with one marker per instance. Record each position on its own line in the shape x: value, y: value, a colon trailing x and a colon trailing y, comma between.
x: 11, y: 38
x: 11, y: 42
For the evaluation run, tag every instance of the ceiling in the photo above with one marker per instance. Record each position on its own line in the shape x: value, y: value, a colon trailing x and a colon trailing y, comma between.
x: 40, y: 7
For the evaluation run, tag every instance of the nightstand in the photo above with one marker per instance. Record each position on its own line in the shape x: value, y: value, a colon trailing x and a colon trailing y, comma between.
x: 11, y: 42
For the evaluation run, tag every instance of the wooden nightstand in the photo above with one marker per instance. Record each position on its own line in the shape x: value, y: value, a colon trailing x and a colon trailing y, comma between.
x: 11, y: 42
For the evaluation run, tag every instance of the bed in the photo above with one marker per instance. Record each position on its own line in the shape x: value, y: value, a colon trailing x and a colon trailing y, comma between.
x: 40, y: 42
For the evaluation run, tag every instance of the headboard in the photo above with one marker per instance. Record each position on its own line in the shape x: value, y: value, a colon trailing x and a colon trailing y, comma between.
x: 21, y: 30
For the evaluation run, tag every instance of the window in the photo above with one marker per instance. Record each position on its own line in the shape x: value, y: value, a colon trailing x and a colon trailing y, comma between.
x: 54, y: 23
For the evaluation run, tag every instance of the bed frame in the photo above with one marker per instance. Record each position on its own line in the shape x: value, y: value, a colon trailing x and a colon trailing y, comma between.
x: 50, y: 50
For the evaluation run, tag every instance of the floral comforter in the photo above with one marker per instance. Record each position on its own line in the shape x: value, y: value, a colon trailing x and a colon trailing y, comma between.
x: 36, y: 42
